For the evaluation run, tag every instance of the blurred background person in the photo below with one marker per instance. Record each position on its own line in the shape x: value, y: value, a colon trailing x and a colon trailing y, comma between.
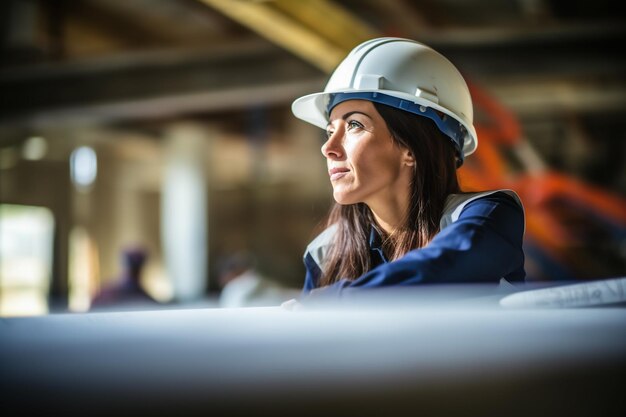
x: 126, y: 292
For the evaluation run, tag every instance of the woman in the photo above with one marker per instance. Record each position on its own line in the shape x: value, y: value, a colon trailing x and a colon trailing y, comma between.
x: 398, y: 117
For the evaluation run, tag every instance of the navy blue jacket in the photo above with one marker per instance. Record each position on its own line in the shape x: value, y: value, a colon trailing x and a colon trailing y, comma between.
x: 480, y: 241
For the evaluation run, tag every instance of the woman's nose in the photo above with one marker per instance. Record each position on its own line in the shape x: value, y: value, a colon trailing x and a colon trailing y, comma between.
x: 333, y: 147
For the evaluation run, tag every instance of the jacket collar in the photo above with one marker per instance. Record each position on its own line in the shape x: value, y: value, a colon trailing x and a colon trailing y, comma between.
x: 376, y: 245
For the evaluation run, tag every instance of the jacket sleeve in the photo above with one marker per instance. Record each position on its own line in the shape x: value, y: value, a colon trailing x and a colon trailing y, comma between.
x: 483, y: 245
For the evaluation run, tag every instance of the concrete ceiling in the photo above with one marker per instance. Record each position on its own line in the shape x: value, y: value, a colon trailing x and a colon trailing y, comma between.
x: 116, y: 60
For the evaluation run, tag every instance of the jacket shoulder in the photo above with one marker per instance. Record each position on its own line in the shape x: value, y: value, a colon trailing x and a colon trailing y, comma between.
x: 318, y: 248
x: 455, y: 203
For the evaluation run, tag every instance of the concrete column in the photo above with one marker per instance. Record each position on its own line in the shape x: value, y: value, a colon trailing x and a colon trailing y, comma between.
x: 184, y: 211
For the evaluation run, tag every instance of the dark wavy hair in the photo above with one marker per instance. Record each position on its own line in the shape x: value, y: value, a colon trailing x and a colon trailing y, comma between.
x: 434, y: 178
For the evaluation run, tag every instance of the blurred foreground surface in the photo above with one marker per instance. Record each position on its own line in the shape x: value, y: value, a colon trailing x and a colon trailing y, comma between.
x: 427, y: 351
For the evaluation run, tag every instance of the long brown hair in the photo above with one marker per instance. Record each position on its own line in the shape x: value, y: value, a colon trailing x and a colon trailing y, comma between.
x: 434, y: 178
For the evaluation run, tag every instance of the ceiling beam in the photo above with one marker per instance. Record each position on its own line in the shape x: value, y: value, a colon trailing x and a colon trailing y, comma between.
x: 297, y: 27
x: 553, y: 97
x: 229, y: 98
x: 329, y: 20
x: 156, y: 84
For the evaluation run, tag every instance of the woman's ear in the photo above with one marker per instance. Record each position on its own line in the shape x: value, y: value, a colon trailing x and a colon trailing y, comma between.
x: 408, y: 159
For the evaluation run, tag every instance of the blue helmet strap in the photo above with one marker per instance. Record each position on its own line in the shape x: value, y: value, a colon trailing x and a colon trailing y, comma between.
x: 446, y: 124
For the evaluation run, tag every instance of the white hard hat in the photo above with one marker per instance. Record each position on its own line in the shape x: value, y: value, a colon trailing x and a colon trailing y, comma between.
x: 404, y: 74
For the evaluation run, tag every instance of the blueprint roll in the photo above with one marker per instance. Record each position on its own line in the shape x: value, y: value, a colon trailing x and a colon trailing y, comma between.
x: 589, y: 293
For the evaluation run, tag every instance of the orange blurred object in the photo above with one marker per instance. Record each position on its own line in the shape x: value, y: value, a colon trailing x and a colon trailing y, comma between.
x: 574, y: 230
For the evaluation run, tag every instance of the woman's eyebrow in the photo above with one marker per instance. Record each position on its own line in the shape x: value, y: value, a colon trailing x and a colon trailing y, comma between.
x: 345, y: 116
x: 350, y: 113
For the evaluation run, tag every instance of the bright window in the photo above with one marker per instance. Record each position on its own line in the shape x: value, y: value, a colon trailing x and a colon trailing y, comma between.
x: 26, y: 246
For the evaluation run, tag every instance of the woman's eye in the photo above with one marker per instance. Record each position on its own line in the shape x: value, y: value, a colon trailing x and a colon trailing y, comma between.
x: 353, y: 124
x: 329, y: 133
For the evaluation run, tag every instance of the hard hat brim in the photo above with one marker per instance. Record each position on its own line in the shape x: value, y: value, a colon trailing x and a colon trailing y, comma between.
x: 312, y: 109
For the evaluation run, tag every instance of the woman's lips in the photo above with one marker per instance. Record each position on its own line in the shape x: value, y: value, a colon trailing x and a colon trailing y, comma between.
x: 336, y: 173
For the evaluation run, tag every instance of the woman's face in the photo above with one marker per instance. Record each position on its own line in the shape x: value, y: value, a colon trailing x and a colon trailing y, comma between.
x: 364, y: 163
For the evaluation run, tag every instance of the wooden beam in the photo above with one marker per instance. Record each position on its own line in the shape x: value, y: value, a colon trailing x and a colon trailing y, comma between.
x: 283, y: 30
x: 330, y: 20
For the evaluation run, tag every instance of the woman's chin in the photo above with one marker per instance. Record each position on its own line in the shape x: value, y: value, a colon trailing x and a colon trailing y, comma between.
x: 343, y: 199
